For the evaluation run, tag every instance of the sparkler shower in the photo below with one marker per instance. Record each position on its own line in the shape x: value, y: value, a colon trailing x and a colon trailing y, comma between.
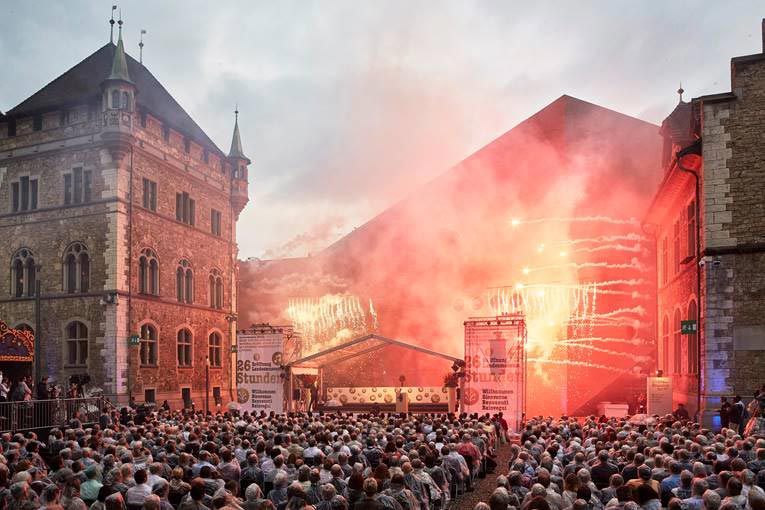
x: 540, y: 221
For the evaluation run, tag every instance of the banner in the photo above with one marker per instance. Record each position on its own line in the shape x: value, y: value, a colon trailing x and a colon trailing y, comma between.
x: 659, y: 395
x: 260, y: 386
x: 494, y: 368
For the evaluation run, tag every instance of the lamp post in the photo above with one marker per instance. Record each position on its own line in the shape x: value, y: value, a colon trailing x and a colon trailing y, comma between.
x: 207, y: 385
x: 38, y: 326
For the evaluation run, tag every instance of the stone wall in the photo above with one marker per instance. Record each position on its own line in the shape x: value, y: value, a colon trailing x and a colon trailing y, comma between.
x: 734, y: 235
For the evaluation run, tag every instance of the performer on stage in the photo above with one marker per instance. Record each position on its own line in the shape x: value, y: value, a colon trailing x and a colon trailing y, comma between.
x: 314, y: 395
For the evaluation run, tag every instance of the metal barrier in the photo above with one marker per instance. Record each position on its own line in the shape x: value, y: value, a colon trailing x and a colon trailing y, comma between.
x: 40, y: 414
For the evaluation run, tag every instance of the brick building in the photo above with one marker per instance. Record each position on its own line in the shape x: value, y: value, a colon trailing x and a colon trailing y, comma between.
x: 123, y: 211
x: 708, y: 218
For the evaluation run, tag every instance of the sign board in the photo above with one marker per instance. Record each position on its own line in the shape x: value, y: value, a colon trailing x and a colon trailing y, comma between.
x: 659, y: 395
x: 688, y: 327
x: 260, y: 386
x: 134, y: 340
x: 494, y: 368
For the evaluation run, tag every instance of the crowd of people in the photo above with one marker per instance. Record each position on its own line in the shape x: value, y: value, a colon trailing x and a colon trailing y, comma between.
x: 614, y: 464
x: 156, y: 459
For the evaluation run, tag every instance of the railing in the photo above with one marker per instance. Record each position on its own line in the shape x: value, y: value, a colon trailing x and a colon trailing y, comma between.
x: 40, y: 414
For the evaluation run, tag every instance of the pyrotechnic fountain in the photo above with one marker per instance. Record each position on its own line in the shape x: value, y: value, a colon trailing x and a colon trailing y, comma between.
x: 584, y: 299
x: 330, y: 320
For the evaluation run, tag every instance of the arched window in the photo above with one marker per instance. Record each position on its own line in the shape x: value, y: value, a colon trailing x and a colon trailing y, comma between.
x: 184, y: 348
x: 693, y: 340
x: 126, y: 101
x: 665, y: 344
x: 148, y: 273
x: 678, y: 344
x: 184, y: 282
x: 76, y: 268
x: 214, y: 349
x: 148, y: 345
x: 216, y: 289
x: 23, y: 273
x: 115, y: 99
x: 76, y: 344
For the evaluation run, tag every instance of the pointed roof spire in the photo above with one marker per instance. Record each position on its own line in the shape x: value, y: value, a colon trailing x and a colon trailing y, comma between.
x: 119, y: 61
x: 680, y: 92
x: 236, y: 141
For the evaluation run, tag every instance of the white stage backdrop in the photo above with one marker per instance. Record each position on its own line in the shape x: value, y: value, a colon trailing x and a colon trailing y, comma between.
x: 260, y: 386
x: 494, y: 359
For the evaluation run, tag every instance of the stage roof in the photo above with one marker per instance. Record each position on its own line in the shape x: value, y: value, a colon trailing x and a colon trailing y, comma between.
x: 357, y: 347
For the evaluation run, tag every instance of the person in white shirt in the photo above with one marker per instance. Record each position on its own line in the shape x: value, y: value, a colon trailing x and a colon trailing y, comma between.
x: 137, y: 494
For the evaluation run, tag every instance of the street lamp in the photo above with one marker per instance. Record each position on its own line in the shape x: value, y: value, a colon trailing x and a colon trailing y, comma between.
x: 207, y: 385
x: 38, y: 326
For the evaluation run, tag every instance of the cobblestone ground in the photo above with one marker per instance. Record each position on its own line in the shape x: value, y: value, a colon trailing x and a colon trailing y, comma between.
x: 483, y: 487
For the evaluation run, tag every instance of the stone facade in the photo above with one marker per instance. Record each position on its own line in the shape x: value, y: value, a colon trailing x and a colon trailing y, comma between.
x: 121, y: 148
x: 725, y: 130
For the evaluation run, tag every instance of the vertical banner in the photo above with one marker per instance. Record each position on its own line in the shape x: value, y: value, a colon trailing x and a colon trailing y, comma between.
x: 659, y: 395
x: 260, y: 386
x: 495, y: 367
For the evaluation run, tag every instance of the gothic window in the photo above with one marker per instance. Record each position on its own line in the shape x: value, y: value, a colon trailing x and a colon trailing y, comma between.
x: 678, y: 347
x: 76, y: 344
x: 214, y: 349
x: 184, y: 348
x: 184, y: 282
x: 148, y: 273
x: 76, y: 269
x: 664, y: 261
x: 23, y: 273
x: 693, y: 340
x: 148, y: 342
x: 126, y: 101
x: 216, y: 289
x: 115, y: 99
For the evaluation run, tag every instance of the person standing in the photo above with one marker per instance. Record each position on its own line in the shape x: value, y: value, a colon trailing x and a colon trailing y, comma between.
x: 725, y: 410
x: 5, y: 388
x: 681, y: 413
x: 737, y: 414
x: 42, y: 388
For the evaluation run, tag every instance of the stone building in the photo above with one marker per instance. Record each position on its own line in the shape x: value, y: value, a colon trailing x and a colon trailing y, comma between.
x: 124, y: 211
x: 708, y: 218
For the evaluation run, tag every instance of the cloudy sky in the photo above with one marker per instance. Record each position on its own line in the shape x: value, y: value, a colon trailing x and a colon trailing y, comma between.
x: 348, y: 106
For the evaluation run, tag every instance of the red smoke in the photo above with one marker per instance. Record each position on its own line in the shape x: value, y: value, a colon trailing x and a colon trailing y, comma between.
x: 429, y: 261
